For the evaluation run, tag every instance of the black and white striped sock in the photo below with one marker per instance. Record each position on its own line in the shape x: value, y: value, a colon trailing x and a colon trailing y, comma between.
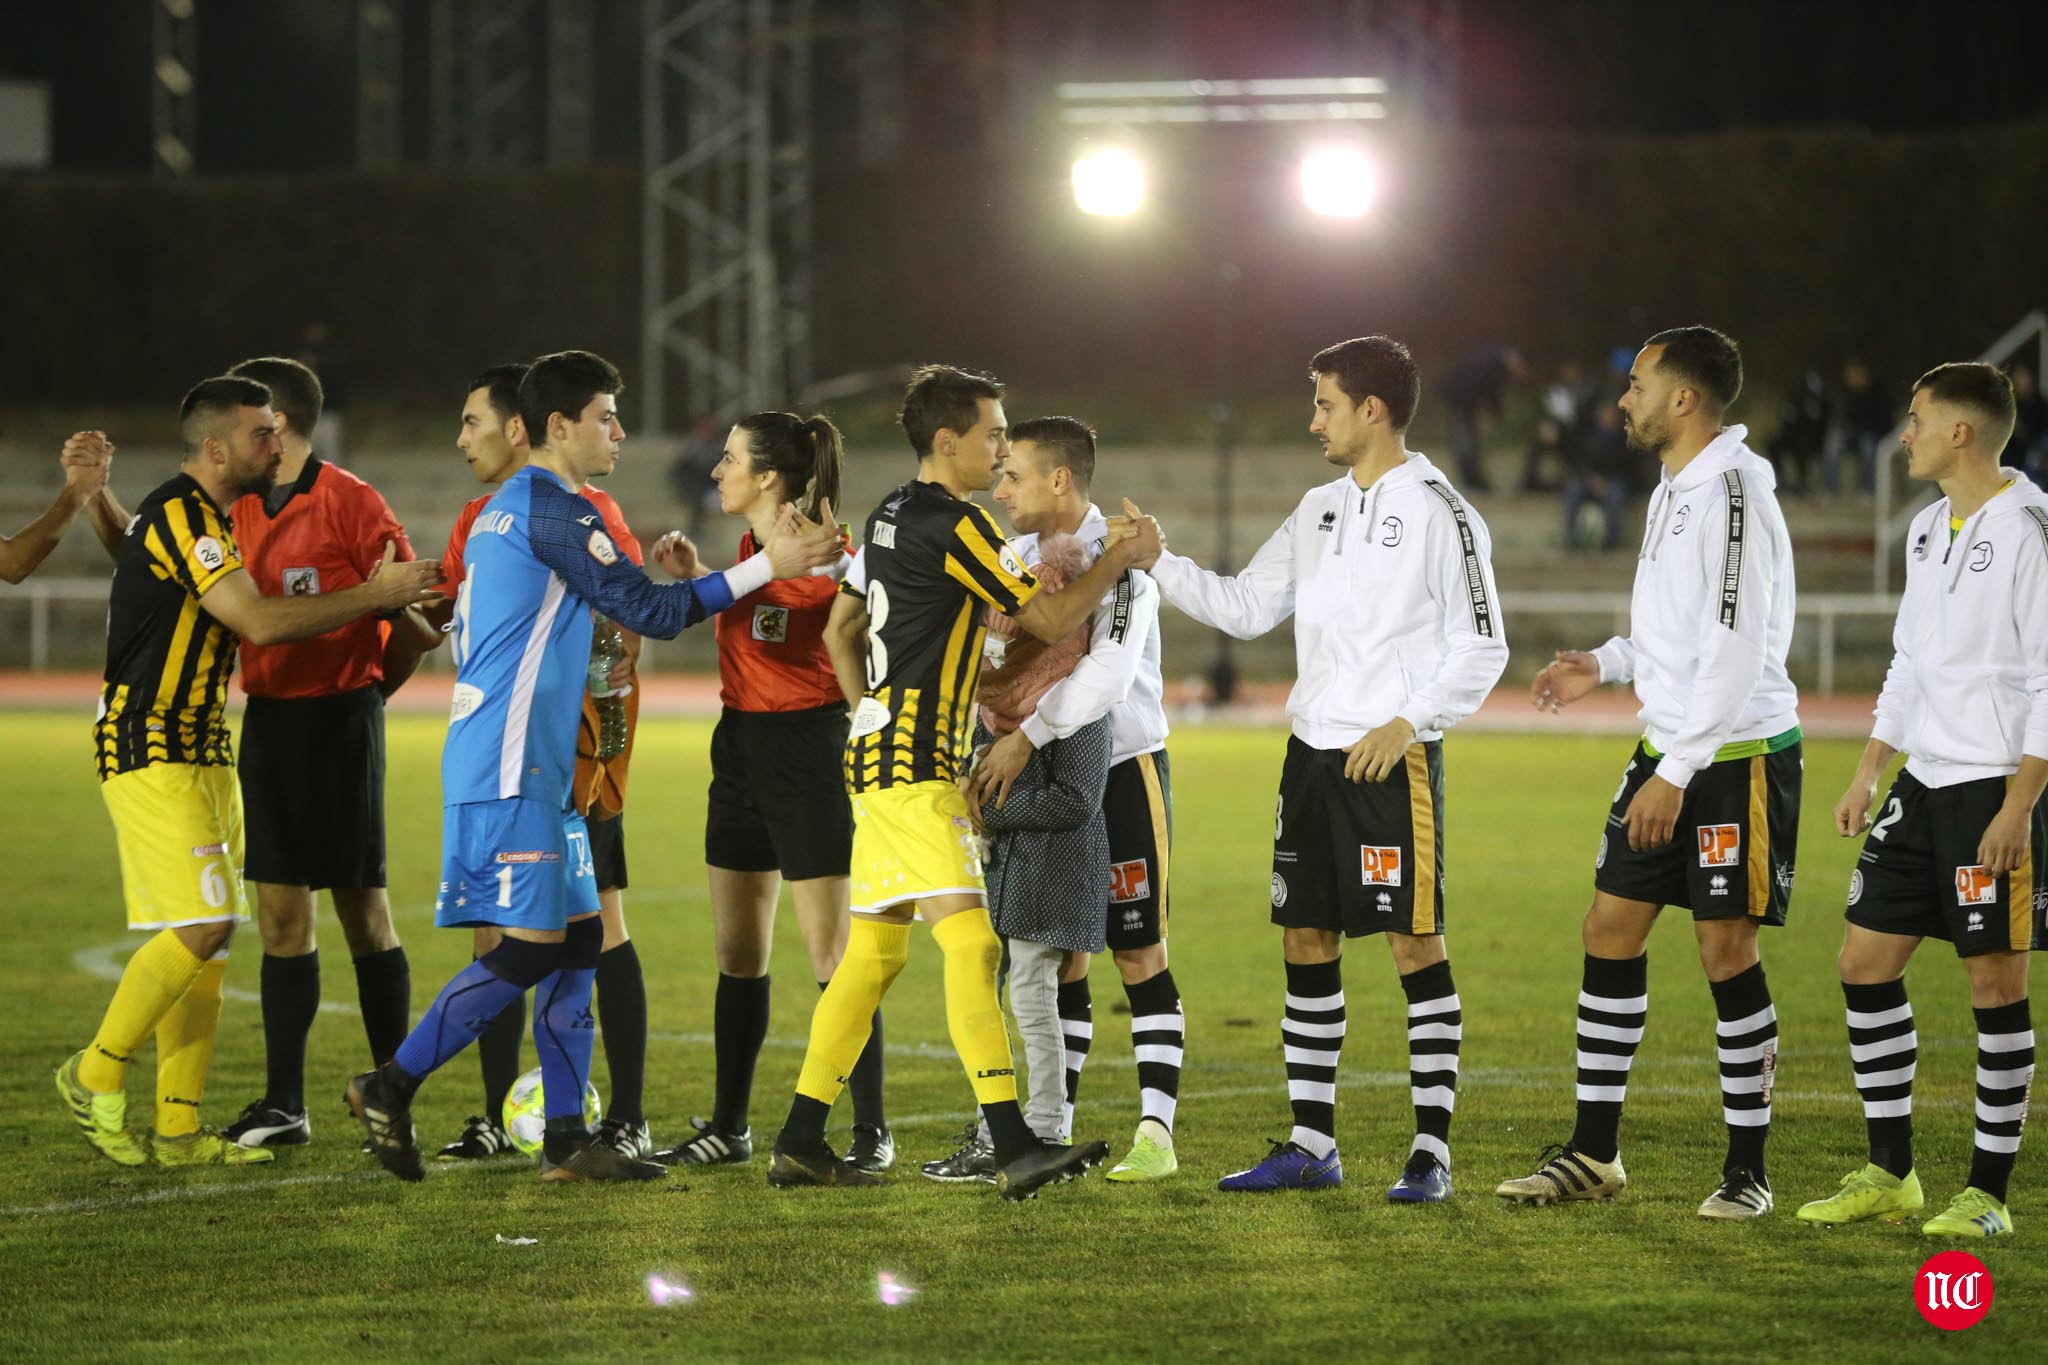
x: 1077, y: 1027
x: 1312, y: 1041
x: 1614, y: 1002
x: 1158, y: 1038
x: 1436, y: 1030
x: 1884, y: 1051
x: 1746, y: 1045
x: 2005, y: 1072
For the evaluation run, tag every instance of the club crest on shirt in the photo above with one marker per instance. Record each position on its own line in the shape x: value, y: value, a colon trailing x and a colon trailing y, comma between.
x: 1980, y: 556
x: 1379, y: 866
x: 301, y: 582
x: 1975, y: 886
x: 1678, y: 522
x: 1390, y: 531
x: 1720, y: 845
x: 771, y: 624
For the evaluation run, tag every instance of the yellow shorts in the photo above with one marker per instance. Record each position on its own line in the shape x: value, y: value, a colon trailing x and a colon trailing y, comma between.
x: 179, y: 829
x: 913, y: 841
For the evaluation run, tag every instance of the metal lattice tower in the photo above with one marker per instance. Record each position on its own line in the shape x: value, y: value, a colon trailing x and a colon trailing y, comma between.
x: 572, y: 68
x: 726, y: 244
x: 482, y: 77
x: 173, y: 112
x: 1416, y: 43
x: 378, y: 85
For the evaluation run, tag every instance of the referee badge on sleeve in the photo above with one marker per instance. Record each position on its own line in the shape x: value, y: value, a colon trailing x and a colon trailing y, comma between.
x: 771, y: 624
x: 301, y: 582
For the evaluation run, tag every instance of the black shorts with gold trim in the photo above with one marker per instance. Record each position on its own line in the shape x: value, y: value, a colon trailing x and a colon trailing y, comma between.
x: 1734, y: 851
x: 1919, y: 873
x: 1360, y: 857
x: 1137, y: 809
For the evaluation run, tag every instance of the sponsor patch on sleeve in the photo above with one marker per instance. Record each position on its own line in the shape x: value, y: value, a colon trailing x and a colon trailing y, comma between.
x: 602, y: 550
x: 209, y: 553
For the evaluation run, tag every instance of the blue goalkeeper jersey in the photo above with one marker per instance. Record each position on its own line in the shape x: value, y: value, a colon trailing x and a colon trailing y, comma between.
x: 537, y: 561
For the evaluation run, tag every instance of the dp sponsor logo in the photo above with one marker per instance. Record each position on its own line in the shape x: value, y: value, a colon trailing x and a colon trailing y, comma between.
x: 1379, y: 866
x: 1975, y: 886
x: 1720, y: 845
x: 1953, y: 1290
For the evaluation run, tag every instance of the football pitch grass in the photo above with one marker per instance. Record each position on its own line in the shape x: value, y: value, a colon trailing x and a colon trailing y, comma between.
x: 320, y: 1254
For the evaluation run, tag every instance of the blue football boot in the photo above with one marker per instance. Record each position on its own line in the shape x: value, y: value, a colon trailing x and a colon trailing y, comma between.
x: 1288, y: 1167
x: 1426, y: 1181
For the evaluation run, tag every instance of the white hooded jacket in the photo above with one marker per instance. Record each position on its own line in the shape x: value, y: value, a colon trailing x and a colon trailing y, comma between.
x: 1711, y: 617
x: 1391, y: 589
x: 1967, y: 693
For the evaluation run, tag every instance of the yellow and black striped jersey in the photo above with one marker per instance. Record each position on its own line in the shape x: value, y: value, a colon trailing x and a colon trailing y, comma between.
x: 928, y: 562
x: 168, y: 661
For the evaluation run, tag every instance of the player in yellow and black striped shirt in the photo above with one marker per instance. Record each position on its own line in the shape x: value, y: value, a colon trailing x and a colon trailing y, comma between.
x: 180, y: 598
x: 905, y: 639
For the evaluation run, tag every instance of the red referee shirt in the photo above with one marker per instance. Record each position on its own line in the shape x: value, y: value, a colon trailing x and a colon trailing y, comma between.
x: 329, y: 535
x: 771, y: 645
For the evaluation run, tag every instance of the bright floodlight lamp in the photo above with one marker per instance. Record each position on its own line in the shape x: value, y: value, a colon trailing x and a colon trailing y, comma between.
x: 1109, y: 183
x: 1339, y: 182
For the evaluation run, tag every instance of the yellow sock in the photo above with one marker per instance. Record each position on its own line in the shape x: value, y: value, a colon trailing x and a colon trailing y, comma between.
x: 875, y: 953
x: 973, y: 1013
x: 184, y: 1051
x: 161, y: 971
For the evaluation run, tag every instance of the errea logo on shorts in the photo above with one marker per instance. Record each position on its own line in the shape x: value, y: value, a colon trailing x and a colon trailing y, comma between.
x: 1975, y: 886
x: 1379, y: 866
x: 1720, y: 845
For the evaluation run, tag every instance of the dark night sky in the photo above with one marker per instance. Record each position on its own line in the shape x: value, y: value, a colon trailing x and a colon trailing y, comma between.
x: 276, y: 76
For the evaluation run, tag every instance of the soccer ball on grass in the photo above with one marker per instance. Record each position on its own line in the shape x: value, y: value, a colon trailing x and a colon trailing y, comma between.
x: 526, y: 1112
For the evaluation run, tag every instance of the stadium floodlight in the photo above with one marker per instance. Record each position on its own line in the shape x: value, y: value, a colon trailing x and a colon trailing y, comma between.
x: 1339, y: 182
x: 1109, y: 183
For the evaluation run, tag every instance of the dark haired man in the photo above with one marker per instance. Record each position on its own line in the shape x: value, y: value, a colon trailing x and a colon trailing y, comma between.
x: 1044, y: 486
x: 1707, y: 813
x: 1397, y: 638
x: 515, y: 852
x: 312, y: 755
x: 180, y: 598
x: 1958, y: 849
x: 905, y: 638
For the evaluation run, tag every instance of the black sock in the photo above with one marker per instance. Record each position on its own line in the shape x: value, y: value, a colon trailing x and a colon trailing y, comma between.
x: 622, y: 1017
x: 1746, y: 1046
x: 1007, y: 1131
x: 497, y: 1052
x: 2005, y: 1070
x: 739, y: 1021
x: 291, y: 999
x: 1884, y: 1052
x: 1158, y: 1040
x: 562, y: 1136
x: 1312, y: 1042
x: 1077, y: 1027
x: 1614, y: 1002
x: 384, y: 989
x: 804, y: 1129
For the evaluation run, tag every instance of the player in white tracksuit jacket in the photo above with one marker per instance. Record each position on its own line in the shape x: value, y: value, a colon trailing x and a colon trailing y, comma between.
x: 1706, y: 816
x: 1398, y: 637
x: 1958, y: 844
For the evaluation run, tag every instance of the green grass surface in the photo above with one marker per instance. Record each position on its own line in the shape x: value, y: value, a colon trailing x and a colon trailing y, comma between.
x: 319, y: 1255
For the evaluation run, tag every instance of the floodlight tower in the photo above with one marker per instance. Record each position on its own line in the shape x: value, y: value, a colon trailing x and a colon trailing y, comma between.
x: 1337, y: 180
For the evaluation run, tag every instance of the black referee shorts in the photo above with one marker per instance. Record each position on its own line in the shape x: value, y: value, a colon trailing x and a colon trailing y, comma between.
x: 1735, y: 849
x: 1360, y: 857
x: 312, y: 771
x: 778, y: 798
x: 608, y: 851
x: 1137, y: 812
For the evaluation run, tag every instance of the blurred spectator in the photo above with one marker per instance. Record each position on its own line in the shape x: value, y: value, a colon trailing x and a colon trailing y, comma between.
x: 319, y: 352
x: 1863, y: 418
x: 1802, y: 431
x: 1599, y: 474
x: 1471, y: 393
x: 2028, y: 448
x: 1560, y: 425
x: 689, y: 477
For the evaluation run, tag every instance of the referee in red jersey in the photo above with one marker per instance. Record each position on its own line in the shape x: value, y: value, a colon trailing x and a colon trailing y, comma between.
x: 311, y: 759
x: 778, y: 805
